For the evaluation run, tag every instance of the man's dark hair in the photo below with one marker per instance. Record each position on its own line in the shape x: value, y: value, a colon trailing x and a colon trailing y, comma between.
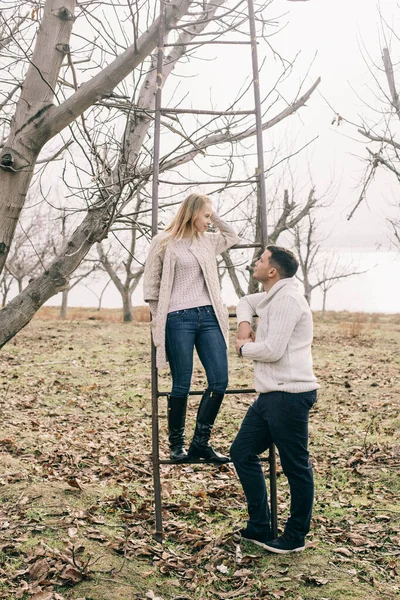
x: 283, y: 260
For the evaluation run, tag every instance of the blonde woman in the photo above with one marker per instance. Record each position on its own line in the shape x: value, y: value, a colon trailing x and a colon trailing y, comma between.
x: 182, y: 288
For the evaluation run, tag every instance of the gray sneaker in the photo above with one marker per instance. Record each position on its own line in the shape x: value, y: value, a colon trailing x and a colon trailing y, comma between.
x: 285, y: 544
x: 260, y: 539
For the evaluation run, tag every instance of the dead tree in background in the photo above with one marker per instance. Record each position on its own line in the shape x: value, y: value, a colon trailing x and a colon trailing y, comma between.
x: 383, y: 134
x: 287, y: 215
x: 315, y: 271
x: 37, y: 120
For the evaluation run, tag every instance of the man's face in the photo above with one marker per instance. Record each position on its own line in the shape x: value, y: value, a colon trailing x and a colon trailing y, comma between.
x: 262, y: 269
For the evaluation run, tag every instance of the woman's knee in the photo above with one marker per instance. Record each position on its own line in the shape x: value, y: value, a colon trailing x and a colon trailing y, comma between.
x: 219, y: 388
x: 217, y: 384
x: 180, y: 390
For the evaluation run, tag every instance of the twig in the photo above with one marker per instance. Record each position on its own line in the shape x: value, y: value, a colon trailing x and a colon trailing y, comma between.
x: 366, y: 433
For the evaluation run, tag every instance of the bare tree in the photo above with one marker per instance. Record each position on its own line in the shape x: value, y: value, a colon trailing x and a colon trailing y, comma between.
x: 98, y: 295
x: 6, y: 281
x: 395, y: 227
x: 30, y: 249
x: 381, y: 128
x: 316, y: 272
x: 37, y: 120
x: 131, y: 280
x: 85, y: 269
x: 128, y: 265
x: 285, y: 214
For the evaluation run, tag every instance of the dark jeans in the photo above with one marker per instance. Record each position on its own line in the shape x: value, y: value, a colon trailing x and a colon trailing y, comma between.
x: 196, y: 328
x: 280, y: 418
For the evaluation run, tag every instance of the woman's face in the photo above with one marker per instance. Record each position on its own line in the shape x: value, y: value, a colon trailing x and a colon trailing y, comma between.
x: 203, y: 220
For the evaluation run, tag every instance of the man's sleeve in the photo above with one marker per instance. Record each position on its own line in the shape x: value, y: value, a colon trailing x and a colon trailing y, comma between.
x: 282, y: 319
x: 247, y: 307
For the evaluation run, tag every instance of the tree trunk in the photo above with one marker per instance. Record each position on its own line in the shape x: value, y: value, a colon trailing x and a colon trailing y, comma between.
x: 324, y: 294
x: 37, y: 120
x: 232, y: 274
x: 45, y: 120
x: 21, y: 309
x: 307, y: 291
x: 20, y: 152
x: 64, y: 304
x: 254, y: 285
x: 127, y: 306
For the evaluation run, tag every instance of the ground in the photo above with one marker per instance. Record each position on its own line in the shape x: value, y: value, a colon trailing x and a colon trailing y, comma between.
x: 76, y: 493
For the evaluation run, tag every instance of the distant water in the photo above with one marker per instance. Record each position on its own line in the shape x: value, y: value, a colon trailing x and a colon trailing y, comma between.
x: 378, y: 290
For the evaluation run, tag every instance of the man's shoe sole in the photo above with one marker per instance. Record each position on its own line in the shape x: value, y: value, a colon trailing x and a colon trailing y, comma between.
x: 280, y: 551
x: 261, y: 544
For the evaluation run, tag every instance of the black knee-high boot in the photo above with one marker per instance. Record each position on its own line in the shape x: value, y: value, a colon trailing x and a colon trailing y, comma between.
x: 176, y: 427
x: 206, y: 415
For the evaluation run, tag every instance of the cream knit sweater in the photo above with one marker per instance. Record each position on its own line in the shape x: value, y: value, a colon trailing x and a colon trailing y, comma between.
x: 159, y: 274
x: 189, y: 289
x: 282, y: 348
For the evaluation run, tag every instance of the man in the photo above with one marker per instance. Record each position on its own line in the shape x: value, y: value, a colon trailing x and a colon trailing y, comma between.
x: 284, y: 378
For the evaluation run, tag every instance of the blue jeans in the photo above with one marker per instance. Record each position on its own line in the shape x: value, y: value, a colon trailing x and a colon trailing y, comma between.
x: 280, y: 418
x: 196, y: 328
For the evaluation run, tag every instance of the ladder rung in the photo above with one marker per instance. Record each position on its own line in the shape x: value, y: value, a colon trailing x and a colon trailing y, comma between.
x: 203, y: 43
x: 208, y: 182
x: 236, y: 246
x: 200, y: 393
x: 190, y: 111
x: 167, y: 461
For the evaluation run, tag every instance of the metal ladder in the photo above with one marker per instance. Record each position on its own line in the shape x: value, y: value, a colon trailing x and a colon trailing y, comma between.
x: 261, y: 193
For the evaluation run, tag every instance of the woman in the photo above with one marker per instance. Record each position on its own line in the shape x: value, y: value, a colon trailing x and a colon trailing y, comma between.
x: 182, y: 288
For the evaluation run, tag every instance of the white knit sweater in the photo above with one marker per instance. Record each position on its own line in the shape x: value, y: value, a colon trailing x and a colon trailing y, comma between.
x: 189, y: 289
x: 282, y: 348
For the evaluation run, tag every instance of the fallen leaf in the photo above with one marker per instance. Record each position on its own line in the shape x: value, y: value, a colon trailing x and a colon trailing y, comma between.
x: 39, y: 570
x: 72, y: 532
x: 344, y: 551
x: 242, y: 573
x: 43, y: 596
x: 74, y: 483
x: 238, y: 554
x: 358, y: 540
x: 150, y: 594
x: 222, y: 569
x: 72, y: 574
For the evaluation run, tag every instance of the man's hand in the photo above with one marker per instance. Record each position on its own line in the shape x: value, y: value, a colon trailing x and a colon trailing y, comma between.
x: 245, y: 332
x: 240, y: 343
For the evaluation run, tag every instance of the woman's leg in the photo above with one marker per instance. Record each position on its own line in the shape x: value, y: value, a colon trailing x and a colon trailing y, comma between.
x: 180, y: 339
x: 211, y: 348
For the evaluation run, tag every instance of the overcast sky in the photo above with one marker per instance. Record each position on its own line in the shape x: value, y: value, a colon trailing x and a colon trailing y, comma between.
x: 338, y: 40
x: 330, y: 39
x: 342, y: 32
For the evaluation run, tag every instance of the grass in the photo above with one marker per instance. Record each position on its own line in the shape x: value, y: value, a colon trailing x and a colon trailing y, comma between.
x: 76, y: 475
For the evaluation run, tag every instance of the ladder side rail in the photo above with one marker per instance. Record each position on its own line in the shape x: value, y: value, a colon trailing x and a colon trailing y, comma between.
x: 154, y: 228
x: 264, y: 230
x: 264, y: 240
x: 259, y: 130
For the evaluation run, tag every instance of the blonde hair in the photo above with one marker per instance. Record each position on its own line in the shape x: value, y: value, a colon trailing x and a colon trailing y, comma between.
x: 183, y: 223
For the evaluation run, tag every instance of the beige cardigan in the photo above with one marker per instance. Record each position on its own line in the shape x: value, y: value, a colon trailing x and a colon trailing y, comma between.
x: 159, y: 277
